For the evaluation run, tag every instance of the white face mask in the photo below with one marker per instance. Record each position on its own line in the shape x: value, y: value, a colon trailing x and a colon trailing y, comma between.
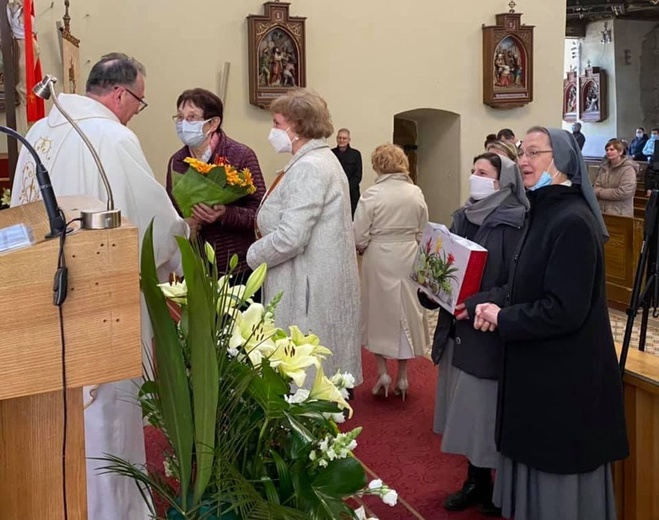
x: 191, y: 133
x: 481, y: 187
x: 280, y: 141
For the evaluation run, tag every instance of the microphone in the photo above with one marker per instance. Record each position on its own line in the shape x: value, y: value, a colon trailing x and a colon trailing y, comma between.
x: 111, y: 217
x: 55, y: 215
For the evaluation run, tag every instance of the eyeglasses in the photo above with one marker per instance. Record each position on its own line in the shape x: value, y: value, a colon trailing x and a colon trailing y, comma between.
x: 143, y: 104
x: 531, y: 154
x: 191, y: 119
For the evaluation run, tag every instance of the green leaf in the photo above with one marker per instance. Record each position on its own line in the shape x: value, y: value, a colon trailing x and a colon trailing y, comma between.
x: 341, y: 478
x: 173, y: 383
x: 269, y: 391
x: 203, y: 363
x: 285, y: 480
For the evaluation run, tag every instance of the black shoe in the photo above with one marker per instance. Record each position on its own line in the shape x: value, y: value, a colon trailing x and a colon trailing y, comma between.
x: 489, y: 509
x: 468, y: 496
x: 476, y: 490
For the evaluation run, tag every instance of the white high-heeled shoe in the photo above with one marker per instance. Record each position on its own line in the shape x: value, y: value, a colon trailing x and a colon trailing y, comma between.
x: 383, y: 382
x: 402, y: 385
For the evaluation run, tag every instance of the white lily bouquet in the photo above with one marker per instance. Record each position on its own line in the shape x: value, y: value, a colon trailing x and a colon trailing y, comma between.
x: 246, y: 441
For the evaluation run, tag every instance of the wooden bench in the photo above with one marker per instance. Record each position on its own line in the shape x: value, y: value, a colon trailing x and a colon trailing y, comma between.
x: 621, y: 255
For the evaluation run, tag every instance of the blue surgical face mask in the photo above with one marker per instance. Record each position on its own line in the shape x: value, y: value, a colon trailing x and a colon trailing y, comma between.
x: 639, y: 134
x: 545, y: 179
x: 191, y: 133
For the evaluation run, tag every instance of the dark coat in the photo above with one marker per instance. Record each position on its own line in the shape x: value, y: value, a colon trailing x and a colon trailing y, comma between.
x: 234, y: 233
x: 579, y: 138
x: 560, y: 407
x: 636, y: 148
x: 479, y: 353
x: 351, y: 162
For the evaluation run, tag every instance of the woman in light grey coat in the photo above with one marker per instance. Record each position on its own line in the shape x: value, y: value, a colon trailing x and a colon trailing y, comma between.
x: 305, y: 229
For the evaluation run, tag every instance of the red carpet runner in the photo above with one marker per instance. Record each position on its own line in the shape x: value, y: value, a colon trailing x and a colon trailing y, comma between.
x: 396, y: 445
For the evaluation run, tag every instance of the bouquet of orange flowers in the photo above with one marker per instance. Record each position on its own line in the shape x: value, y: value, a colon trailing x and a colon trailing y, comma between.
x: 210, y: 184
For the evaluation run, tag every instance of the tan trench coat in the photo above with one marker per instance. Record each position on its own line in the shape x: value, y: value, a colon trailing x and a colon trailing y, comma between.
x: 388, y: 223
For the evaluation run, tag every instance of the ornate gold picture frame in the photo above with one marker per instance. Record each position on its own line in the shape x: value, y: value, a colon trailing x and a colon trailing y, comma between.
x: 276, y: 53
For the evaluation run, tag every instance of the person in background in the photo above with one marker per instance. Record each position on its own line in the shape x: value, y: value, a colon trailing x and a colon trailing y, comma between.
x: 228, y: 228
x: 489, y: 139
x: 637, y: 145
x: 506, y: 134
x: 306, y: 235
x: 388, y: 224
x: 648, y: 149
x: 504, y: 149
x: 469, y: 360
x: 560, y: 414
x: 114, y: 95
x: 615, y: 183
x: 351, y: 162
x: 578, y: 136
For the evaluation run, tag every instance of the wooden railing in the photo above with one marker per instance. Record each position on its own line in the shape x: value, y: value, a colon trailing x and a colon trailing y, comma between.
x: 636, y: 479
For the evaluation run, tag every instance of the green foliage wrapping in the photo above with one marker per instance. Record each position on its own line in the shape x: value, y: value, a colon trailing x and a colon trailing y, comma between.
x: 193, y: 188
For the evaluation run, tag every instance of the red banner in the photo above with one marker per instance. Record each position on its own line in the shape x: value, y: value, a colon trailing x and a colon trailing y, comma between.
x: 35, y: 106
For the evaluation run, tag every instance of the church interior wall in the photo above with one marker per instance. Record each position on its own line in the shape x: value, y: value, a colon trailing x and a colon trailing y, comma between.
x: 632, y: 85
x: 629, y: 38
x: 369, y: 59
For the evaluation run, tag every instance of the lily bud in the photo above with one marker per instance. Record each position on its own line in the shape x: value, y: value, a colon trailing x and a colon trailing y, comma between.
x: 255, y: 281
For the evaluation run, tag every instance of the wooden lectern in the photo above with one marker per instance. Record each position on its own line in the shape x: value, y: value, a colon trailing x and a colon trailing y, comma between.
x: 101, y: 318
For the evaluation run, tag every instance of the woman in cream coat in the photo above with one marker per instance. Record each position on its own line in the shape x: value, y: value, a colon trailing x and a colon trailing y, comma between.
x: 388, y: 223
x: 305, y: 230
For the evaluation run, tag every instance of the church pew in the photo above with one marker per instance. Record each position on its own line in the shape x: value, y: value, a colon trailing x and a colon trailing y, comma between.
x: 621, y: 255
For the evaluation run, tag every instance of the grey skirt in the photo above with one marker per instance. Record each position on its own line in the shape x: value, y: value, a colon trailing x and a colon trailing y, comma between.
x: 465, y: 413
x: 528, y: 494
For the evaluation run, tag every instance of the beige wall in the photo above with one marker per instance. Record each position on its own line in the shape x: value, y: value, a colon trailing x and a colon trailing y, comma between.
x: 370, y: 59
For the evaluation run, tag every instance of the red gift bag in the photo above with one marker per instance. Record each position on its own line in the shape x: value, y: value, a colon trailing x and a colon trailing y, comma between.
x: 447, y: 267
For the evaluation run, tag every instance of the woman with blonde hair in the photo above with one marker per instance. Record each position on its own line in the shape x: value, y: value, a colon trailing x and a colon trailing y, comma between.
x: 305, y: 235
x: 389, y: 219
x: 503, y: 149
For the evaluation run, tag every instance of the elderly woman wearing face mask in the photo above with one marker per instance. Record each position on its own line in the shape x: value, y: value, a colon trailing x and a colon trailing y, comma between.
x: 560, y: 420
x: 306, y: 238
x: 229, y: 229
x: 469, y: 360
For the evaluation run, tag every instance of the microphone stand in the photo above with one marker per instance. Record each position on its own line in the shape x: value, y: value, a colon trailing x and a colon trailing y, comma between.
x: 55, y: 214
x: 111, y: 217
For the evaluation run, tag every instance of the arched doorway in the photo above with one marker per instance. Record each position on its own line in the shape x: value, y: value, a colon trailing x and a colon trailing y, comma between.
x: 431, y: 140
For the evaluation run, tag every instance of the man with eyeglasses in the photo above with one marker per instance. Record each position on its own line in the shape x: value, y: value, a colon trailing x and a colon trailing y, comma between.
x: 114, y: 94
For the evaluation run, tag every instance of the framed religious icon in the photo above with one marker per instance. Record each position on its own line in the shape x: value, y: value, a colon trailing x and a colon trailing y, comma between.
x: 594, y: 99
x: 507, y: 62
x: 570, y: 94
x: 276, y: 53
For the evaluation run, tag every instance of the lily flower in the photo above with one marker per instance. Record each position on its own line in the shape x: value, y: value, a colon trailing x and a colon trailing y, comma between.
x: 253, y: 330
x: 176, y: 291
x: 293, y: 360
x: 324, y: 389
x: 299, y: 339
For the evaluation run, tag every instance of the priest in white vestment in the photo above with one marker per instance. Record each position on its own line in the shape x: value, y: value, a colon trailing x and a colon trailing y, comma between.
x: 115, y: 92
